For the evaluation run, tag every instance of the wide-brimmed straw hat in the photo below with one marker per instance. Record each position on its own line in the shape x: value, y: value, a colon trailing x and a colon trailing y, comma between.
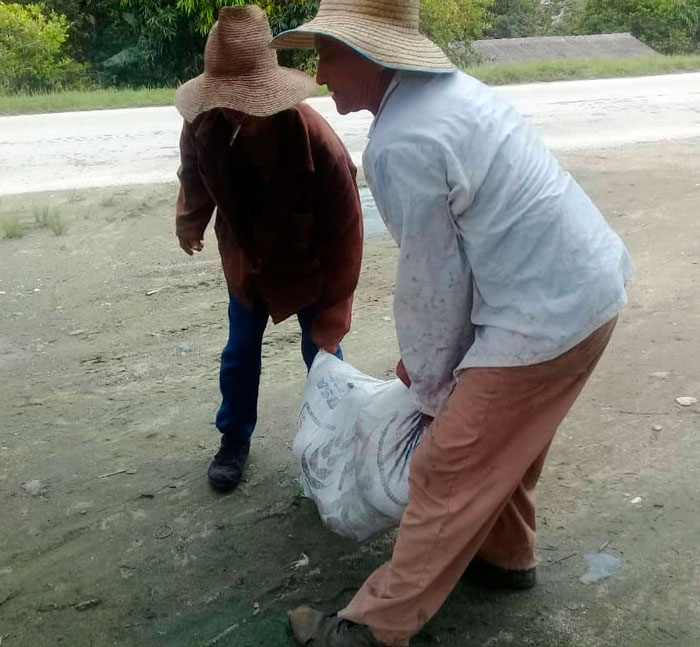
x: 241, y: 71
x: 385, y: 31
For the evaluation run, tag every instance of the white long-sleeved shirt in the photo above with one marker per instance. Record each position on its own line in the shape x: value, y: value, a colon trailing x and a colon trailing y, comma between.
x: 504, y: 260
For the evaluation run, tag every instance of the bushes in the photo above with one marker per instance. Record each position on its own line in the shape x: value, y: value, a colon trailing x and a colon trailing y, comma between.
x: 32, y: 54
x: 669, y: 26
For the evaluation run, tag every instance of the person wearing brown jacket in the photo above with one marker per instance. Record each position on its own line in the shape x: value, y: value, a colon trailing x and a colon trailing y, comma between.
x: 288, y: 213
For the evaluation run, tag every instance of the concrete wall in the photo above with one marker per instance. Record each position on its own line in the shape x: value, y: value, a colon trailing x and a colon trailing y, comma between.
x: 505, y: 50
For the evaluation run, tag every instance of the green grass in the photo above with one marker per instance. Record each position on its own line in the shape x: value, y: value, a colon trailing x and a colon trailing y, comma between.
x: 42, y: 215
x: 528, y: 72
x: 57, y: 224
x: 49, y: 218
x: 534, y: 71
x: 102, y: 99
x: 10, y: 227
x: 85, y: 100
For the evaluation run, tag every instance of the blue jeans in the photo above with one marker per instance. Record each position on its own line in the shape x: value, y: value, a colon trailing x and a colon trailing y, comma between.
x: 241, y: 365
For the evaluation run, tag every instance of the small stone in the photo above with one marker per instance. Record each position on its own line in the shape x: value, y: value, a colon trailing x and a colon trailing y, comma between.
x: 686, y: 401
x: 386, y: 318
x: 256, y: 608
x: 636, y: 500
x: 186, y: 348
x: 75, y: 333
x: 661, y: 375
x: 656, y: 427
x: 33, y: 487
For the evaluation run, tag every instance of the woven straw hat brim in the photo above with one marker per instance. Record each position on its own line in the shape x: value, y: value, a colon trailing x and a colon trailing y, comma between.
x: 259, y: 95
x: 387, y: 45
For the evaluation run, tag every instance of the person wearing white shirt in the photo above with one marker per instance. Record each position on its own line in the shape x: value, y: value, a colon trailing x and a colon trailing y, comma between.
x: 508, y: 287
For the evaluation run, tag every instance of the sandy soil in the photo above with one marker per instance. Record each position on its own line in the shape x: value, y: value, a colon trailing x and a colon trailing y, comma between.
x: 108, y: 374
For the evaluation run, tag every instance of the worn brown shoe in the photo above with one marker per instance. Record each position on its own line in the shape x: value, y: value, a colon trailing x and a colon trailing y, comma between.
x: 491, y: 576
x: 311, y: 628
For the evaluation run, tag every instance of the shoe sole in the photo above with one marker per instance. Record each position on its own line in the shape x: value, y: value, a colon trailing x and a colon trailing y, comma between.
x: 223, y: 487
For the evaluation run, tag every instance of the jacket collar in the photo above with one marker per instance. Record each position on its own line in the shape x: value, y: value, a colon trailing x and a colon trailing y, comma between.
x: 395, y: 82
x: 295, y: 147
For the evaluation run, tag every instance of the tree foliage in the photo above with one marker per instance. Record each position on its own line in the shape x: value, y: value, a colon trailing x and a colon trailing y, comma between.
x: 282, y: 16
x: 516, y: 19
x: 161, y: 42
x: 669, y: 26
x: 32, y: 50
x: 449, y: 21
x: 163, y: 48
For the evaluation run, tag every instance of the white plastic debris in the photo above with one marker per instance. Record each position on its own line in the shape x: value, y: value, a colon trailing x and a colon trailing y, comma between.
x: 33, y: 487
x: 600, y: 566
x: 354, y: 444
x: 636, y: 500
x: 686, y: 401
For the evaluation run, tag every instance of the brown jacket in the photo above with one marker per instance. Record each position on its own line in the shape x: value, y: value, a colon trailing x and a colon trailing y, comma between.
x: 293, y: 240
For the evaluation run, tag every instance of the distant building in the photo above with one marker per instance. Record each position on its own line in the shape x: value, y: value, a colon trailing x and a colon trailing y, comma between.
x: 548, y: 48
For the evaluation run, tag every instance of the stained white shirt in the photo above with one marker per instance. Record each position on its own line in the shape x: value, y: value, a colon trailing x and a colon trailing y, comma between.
x: 504, y: 260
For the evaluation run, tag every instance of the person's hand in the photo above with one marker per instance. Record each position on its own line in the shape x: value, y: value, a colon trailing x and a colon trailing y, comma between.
x: 402, y: 374
x: 191, y: 246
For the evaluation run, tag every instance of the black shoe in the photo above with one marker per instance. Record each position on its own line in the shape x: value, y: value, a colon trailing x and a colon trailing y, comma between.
x: 491, y: 576
x: 226, y: 470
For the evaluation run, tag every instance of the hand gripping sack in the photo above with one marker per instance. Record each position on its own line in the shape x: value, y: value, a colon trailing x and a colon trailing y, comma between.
x: 355, y: 441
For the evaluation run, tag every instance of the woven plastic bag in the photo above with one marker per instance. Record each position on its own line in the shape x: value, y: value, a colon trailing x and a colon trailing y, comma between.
x: 354, y: 444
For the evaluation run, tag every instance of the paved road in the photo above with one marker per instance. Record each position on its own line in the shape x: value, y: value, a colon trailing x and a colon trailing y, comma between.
x: 113, y: 147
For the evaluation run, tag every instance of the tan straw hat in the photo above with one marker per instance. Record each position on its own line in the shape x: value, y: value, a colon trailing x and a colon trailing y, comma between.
x: 385, y: 31
x: 241, y: 71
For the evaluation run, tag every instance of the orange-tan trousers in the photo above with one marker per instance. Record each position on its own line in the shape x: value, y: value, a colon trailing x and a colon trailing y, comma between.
x: 472, y: 487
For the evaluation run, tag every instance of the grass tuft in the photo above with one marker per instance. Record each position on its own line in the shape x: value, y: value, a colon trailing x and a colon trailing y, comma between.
x: 42, y: 215
x: 10, y: 227
x: 46, y: 217
x: 108, y: 201
x: 57, y: 224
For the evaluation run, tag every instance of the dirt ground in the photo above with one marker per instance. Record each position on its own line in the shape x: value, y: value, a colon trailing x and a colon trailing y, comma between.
x: 109, y: 348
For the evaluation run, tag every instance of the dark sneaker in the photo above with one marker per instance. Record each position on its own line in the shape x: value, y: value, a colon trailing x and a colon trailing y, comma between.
x: 491, y: 576
x: 226, y: 470
x: 312, y: 628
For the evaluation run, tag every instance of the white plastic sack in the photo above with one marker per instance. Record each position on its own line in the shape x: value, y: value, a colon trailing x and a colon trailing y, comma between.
x: 355, y: 440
